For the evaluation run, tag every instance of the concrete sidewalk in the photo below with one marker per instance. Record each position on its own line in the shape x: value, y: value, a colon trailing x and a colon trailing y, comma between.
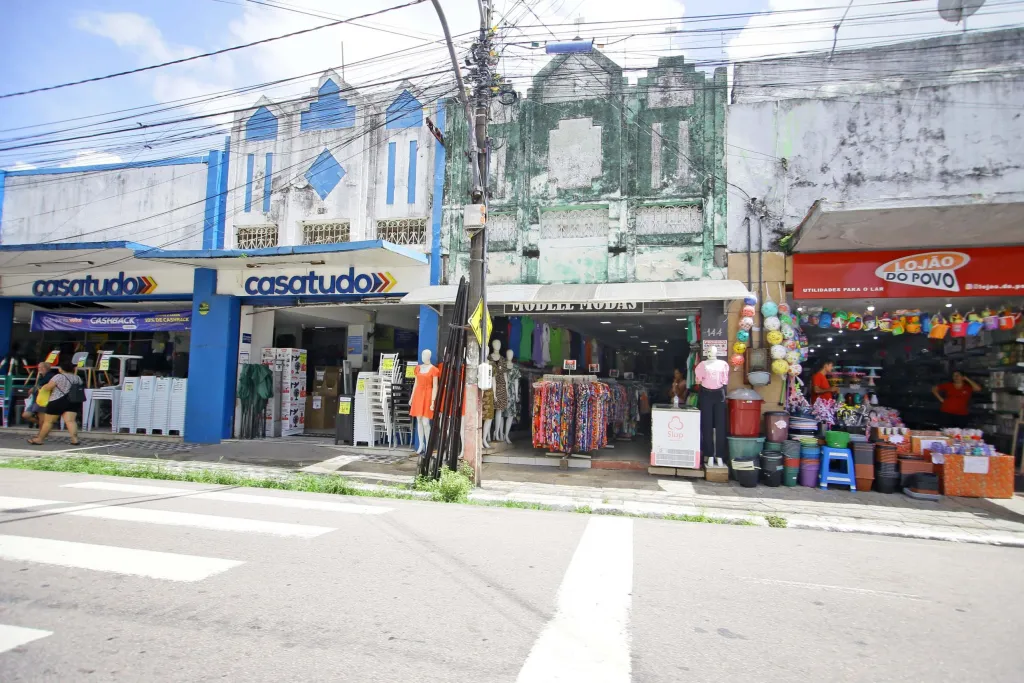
x: 967, y: 520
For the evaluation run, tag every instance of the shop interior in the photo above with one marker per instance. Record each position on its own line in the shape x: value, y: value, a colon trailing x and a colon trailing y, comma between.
x: 103, y: 359
x: 635, y: 354
x: 889, y: 355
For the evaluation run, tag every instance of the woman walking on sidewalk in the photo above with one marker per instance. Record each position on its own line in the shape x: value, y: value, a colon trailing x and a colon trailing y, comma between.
x: 65, y: 390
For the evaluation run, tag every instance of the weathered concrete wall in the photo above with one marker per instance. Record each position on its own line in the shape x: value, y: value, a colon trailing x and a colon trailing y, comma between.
x: 378, y: 144
x: 593, y: 180
x: 156, y: 205
x: 944, y: 119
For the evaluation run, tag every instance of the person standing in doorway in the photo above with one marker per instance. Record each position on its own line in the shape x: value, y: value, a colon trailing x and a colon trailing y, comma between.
x: 62, y: 390
x: 820, y: 386
x: 955, y: 398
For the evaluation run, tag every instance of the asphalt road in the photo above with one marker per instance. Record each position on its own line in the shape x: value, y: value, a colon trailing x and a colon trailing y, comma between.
x: 101, y: 581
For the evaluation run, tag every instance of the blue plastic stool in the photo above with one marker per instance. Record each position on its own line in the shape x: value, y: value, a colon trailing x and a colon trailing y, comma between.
x: 830, y: 455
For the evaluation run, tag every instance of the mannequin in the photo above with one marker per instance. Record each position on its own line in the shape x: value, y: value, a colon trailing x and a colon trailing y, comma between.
x: 497, y: 396
x: 712, y: 375
x: 424, y: 395
x: 513, y: 375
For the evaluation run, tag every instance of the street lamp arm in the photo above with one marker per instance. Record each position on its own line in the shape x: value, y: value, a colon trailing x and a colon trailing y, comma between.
x: 473, y: 146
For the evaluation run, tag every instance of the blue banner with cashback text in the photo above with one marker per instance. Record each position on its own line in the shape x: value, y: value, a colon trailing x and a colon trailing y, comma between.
x: 109, y: 321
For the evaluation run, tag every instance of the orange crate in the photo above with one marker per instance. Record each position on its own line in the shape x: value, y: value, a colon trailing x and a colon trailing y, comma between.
x: 998, y: 483
x: 912, y: 466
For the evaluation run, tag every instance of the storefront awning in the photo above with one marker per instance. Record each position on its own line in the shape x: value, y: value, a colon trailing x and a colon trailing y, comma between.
x: 940, y: 222
x: 640, y: 292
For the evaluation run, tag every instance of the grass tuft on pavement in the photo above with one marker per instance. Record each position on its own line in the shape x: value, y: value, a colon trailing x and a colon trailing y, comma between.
x: 452, y: 487
x: 311, y: 483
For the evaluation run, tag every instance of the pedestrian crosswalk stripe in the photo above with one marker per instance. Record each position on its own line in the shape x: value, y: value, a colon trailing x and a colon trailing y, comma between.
x: 16, y: 636
x: 106, y: 558
x: 230, y: 497
x: 124, y: 513
x: 588, y: 637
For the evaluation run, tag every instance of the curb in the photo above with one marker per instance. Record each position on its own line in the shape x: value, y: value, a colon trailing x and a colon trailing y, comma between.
x: 921, y: 533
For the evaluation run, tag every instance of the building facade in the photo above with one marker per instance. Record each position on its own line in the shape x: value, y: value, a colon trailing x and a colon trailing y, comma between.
x: 594, y: 180
x: 333, y: 167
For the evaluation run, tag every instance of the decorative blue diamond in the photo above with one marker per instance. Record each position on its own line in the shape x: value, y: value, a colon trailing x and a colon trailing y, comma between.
x: 325, y: 174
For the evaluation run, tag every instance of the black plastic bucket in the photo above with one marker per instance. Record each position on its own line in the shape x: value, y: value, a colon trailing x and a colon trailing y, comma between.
x: 771, y: 461
x: 772, y: 478
x: 746, y: 478
x: 887, y: 483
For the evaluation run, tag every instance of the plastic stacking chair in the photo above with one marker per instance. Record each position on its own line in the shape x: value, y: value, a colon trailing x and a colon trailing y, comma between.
x: 831, y: 455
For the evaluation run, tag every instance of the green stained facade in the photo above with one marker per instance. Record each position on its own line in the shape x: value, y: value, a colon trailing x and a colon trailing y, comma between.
x: 594, y: 180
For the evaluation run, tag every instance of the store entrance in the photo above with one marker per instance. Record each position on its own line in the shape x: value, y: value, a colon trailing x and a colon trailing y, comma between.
x: 894, y: 363
x: 338, y: 344
x: 623, y: 361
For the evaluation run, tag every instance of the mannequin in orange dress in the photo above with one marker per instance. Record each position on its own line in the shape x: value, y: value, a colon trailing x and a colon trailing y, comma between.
x: 424, y: 394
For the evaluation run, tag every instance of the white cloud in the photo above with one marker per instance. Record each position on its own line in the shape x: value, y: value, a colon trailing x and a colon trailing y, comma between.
x: 92, y: 157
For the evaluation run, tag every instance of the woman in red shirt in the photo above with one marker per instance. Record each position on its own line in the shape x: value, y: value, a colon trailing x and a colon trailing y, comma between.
x: 955, y: 398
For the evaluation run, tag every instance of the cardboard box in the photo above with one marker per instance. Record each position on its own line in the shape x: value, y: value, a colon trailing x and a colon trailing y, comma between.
x: 327, y: 380
x: 315, y: 411
x: 923, y: 441
x: 996, y: 483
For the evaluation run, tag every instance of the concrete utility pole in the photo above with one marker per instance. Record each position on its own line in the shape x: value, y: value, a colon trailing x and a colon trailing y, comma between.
x: 483, y: 82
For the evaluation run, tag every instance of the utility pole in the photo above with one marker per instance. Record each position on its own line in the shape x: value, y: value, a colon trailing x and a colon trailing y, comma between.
x: 484, y: 84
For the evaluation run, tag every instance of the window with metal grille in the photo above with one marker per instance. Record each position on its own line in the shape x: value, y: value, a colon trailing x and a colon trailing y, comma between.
x: 660, y: 221
x: 574, y: 223
x: 408, y: 231
x: 502, y: 231
x: 326, y: 232
x: 256, y: 237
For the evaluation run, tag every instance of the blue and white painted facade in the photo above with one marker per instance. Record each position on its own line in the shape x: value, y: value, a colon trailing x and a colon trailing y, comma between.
x: 284, y: 180
x: 333, y: 163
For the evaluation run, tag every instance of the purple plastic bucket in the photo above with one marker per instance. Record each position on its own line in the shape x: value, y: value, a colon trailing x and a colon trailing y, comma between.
x: 809, y: 475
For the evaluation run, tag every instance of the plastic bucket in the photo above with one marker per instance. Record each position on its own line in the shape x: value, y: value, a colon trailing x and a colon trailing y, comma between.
x: 809, y: 476
x: 791, y: 447
x: 790, y: 476
x: 837, y: 439
x: 773, y: 478
x: 776, y: 426
x: 772, y: 447
x: 744, y: 417
x: 887, y: 483
x: 771, y: 461
x: 741, y: 448
x: 747, y: 478
x: 808, y: 454
x: 791, y: 463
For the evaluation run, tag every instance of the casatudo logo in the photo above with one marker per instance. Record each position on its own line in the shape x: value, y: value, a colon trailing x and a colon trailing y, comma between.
x: 932, y: 270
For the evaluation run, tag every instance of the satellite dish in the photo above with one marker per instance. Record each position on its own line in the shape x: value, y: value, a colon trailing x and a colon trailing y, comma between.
x: 955, y: 11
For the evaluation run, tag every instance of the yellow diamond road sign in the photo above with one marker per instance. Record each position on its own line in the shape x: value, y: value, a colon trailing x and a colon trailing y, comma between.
x: 474, y: 323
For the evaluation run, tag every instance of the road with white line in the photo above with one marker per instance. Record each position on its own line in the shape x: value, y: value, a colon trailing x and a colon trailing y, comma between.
x: 106, y: 579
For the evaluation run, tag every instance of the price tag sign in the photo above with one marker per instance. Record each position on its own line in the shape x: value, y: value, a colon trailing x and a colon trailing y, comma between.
x: 613, y: 373
x: 594, y: 368
x: 410, y: 371
x: 361, y: 385
x: 387, y: 365
x: 52, y: 357
x: 317, y: 403
x: 104, y: 363
x: 568, y: 365
x: 320, y: 375
x: 627, y: 375
x: 345, y: 406
x: 81, y: 361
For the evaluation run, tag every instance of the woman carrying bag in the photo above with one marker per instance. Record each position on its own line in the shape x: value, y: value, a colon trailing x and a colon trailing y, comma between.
x: 66, y: 396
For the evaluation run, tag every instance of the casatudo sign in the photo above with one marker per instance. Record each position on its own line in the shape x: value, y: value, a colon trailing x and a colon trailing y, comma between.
x: 899, y: 274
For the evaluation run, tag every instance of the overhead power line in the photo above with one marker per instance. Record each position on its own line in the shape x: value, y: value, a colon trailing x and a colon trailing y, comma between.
x: 209, y: 54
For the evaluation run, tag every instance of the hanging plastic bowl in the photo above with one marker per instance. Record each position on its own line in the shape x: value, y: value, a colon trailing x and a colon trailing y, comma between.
x: 759, y: 378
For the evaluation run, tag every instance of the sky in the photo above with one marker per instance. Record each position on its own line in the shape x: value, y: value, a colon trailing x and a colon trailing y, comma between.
x: 46, y: 42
